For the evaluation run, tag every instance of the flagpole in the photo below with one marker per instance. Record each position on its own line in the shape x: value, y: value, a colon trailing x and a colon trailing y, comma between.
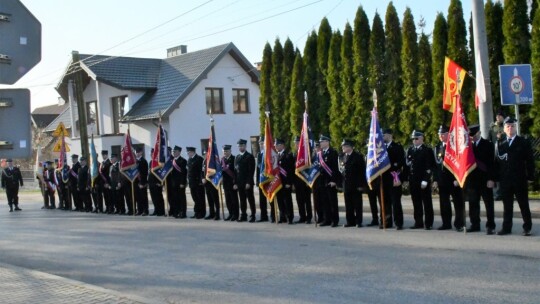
x: 164, y: 183
x: 132, y: 187
x: 221, y: 202
x: 383, y: 213
x: 312, y: 192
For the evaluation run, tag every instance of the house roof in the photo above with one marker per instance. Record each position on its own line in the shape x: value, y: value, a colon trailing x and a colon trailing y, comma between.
x: 43, y: 116
x: 64, y: 117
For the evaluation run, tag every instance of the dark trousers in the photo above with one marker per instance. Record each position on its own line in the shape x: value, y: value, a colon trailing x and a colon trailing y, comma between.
x: 422, y: 203
x: 86, y: 200
x: 317, y: 203
x: 231, y: 199
x: 263, y: 205
x: 474, y: 195
x: 394, y: 203
x: 522, y: 196
x: 75, y: 197
x: 106, y: 193
x: 329, y: 201
x: 156, y: 194
x: 373, y: 195
x: 130, y: 199
x: 49, y: 198
x: 65, y: 202
x: 284, y: 198
x: 246, y: 195
x: 213, y: 199
x: 60, y: 196
x: 353, y: 207
x: 141, y: 197
x: 12, y: 194
x: 445, y: 192
x: 117, y: 197
x: 303, y: 201
x: 177, y: 200
x: 97, y: 197
x: 197, y: 194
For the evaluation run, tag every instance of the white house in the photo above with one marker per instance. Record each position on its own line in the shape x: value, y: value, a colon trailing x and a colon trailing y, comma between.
x: 183, y: 88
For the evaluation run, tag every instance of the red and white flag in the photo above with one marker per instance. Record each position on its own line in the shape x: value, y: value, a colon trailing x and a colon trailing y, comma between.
x: 480, y: 95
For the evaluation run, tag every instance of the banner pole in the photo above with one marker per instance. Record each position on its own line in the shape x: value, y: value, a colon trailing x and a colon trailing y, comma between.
x: 221, y: 202
x: 166, y: 201
x: 314, y: 209
x: 133, y: 197
x: 383, y: 213
x: 275, y: 210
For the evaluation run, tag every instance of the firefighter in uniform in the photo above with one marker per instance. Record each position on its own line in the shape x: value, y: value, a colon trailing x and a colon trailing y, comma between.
x: 194, y: 168
x: 11, y: 179
x: 303, y: 193
x: 286, y: 172
x: 229, y: 178
x: 244, y: 167
x: 330, y: 178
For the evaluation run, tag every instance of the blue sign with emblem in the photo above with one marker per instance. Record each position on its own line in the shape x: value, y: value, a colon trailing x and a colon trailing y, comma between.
x: 516, y: 84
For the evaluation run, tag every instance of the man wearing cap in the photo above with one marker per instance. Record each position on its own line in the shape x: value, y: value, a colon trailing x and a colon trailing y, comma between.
x: 354, y: 182
x: 448, y: 186
x: 303, y: 192
x: 49, y: 186
x: 331, y: 178
x: 244, y: 167
x: 156, y: 191
x: 263, y: 203
x: 496, y: 132
x: 141, y: 183
x: 73, y: 177
x: 229, y: 179
x: 286, y: 173
x: 96, y: 192
x: 420, y: 163
x: 104, y: 181
x: 177, y: 182
x: 515, y: 159
x: 194, y: 168
x: 11, y: 179
x: 83, y: 185
x: 117, y: 194
x: 392, y: 181
x: 479, y: 183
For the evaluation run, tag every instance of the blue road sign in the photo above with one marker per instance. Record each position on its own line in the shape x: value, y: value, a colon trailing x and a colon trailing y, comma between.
x: 516, y: 84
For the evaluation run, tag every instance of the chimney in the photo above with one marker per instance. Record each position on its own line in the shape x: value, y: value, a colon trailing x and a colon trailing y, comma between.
x: 177, y: 50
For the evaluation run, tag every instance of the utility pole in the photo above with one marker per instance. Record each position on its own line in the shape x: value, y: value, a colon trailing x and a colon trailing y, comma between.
x: 485, y: 109
x: 78, y: 92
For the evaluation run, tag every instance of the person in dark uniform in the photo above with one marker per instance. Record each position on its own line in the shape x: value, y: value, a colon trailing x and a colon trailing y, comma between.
x: 420, y: 163
x: 286, y: 164
x: 105, y: 181
x: 515, y: 159
x: 480, y: 182
x: 212, y: 195
x: 117, y: 193
x: 50, y: 186
x: 177, y: 182
x: 374, y: 194
x: 448, y: 186
x: 97, y: 192
x: 141, y: 184
x: 156, y: 192
x: 194, y: 168
x: 83, y: 185
x: 229, y: 179
x: 392, y: 181
x: 331, y: 178
x: 73, y: 177
x: 263, y: 202
x: 354, y: 183
x: 303, y: 192
x: 244, y: 167
x: 11, y: 179
x: 318, y: 187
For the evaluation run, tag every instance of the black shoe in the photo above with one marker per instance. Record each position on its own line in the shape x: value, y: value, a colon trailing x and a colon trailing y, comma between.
x: 504, y: 232
x: 320, y: 222
x: 526, y: 232
x: 17, y: 208
x: 443, y: 227
x: 308, y: 222
x: 300, y: 221
x: 399, y: 228
x: 209, y: 217
x: 460, y: 229
x: 183, y: 215
x: 153, y: 214
x: 242, y: 219
x: 252, y: 219
x: 334, y: 225
x: 490, y: 231
x: 348, y: 225
x: 217, y: 218
x: 324, y: 224
x: 416, y: 227
x: 234, y: 218
x: 228, y: 218
x: 10, y: 210
x: 195, y: 216
x: 263, y: 219
x: 428, y: 228
x: 473, y: 229
x: 291, y: 223
x: 359, y: 225
x: 373, y: 223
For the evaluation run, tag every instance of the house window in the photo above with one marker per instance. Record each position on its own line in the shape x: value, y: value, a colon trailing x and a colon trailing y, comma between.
x: 92, y: 117
x: 214, y: 101
x: 118, y: 108
x: 240, y: 101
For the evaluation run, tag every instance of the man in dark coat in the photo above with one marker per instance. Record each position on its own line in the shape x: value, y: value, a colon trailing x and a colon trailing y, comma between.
x: 448, y: 186
x: 244, y: 166
x: 515, y: 159
x: 177, y: 182
x: 73, y: 177
x: 11, y: 179
x: 141, y: 184
x: 212, y: 194
x: 303, y: 192
x: 83, y: 185
x: 392, y: 181
x: 331, y: 178
x: 263, y: 203
x: 194, y: 168
x: 354, y: 183
x: 156, y: 192
x: 229, y: 179
x: 480, y: 181
x: 105, y: 181
x: 420, y: 163
x: 286, y: 164
x: 117, y: 193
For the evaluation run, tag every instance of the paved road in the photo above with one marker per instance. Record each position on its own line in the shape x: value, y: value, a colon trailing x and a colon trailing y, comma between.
x: 197, y: 261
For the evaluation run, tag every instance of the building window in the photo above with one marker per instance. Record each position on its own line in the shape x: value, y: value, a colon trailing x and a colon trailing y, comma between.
x: 92, y: 118
x: 214, y: 101
x: 119, y: 107
x: 240, y: 101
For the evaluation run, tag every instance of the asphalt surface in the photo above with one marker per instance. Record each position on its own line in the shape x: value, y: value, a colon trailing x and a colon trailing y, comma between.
x: 196, y: 261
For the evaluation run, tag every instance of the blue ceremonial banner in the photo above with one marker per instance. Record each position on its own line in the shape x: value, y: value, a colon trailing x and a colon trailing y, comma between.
x: 93, y: 161
x: 377, y: 156
x: 214, y: 172
x: 161, y: 164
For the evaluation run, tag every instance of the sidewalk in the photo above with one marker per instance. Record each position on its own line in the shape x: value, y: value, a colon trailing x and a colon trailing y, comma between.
x: 21, y: 285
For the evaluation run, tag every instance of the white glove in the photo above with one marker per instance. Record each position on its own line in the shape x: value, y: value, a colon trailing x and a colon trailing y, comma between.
x: 423, y: 185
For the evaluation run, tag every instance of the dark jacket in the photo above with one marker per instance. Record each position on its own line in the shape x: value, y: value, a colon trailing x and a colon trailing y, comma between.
x: 194, y: 169
x: 104, y: 172
x: 229, y: 176
x: 484, y: 153
x: 179, y: 172
x: 330, y: 158
x: 354, y: 169
x: 515, y: 162
x: 286, y: 164
x: 11, y: 178
x: 441, y: 174
x: 73, y: 175
x: 142, y: 166
x: 420, y: 163
x: 244, y: 166
x: 83, y: 180
x: 115, y: 175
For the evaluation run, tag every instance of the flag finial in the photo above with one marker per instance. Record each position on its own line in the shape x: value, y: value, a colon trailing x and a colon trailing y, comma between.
x: 375, y: 98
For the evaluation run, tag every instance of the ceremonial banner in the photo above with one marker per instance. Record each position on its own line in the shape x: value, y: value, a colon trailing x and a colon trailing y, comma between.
x: 307, y: 169
x: 128, y: 163
x: 459, y: 156
x: 377, y: 156
x: 94, y: 172
x: 214, y: 172
x: 271, y: 183
x: 453, y: 81
x: 162, y: 162
x: 480, y: 95
x: 38, y: 167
